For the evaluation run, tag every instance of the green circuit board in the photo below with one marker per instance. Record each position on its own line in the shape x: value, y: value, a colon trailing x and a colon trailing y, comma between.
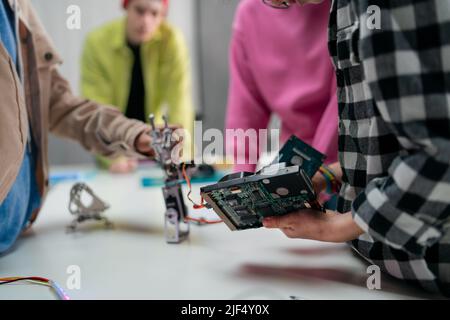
x: 243, y: 202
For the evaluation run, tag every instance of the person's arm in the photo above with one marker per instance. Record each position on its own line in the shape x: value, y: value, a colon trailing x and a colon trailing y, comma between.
x: 407, y: 67
x: 246, y: 107
x: 314, y: 225
x: 98, y: 128
x: 319, y: 181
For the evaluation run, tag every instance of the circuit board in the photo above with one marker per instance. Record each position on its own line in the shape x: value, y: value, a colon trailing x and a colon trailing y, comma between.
x: 295, y: 152
x: 242, y: 201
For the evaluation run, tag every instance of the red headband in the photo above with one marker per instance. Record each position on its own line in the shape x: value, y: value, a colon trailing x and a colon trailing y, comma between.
x: 126, y: 2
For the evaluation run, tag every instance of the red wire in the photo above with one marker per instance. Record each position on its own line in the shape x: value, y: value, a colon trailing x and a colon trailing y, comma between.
x: 16, y: 279
x: 196, y: 206
x: 188, y: 181
x: 203, y: 221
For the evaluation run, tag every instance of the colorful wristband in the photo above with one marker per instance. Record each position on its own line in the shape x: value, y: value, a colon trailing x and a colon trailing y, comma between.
x: 333, y: 185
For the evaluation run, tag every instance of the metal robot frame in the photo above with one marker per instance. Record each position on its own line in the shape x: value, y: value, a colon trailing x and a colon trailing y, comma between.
x: 83, y: 212
x: 176, y: 228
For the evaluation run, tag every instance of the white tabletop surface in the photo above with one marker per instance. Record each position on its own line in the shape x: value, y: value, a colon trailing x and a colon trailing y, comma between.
x: 133, y: 261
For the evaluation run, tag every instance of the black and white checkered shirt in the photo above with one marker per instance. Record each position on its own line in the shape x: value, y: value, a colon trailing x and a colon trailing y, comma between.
x: 394, y: 132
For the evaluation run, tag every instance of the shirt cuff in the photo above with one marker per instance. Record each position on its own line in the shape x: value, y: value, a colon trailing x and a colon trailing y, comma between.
x: 130, y: 138
x: 125, y: 146
x: 385, y: 222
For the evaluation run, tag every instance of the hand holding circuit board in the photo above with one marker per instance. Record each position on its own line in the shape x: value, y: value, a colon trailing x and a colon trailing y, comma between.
x: 242, y: 200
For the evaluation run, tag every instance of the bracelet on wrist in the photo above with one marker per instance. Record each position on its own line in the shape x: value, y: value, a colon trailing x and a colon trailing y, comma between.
x: 333, y: 184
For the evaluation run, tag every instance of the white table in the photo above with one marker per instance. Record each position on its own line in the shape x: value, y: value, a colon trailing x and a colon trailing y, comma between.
x: 133, y: 261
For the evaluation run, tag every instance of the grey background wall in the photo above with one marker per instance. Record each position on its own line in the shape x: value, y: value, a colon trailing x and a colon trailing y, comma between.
x: 206, y: 25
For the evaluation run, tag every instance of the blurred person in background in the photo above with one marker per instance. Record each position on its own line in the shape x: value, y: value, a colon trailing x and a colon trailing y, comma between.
x: 279, y: 65
x: 37, y: 100
x: 394, y: 138
x: 140, y: 64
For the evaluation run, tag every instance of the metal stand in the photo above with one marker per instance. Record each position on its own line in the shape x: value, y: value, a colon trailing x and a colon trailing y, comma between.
x: 84, y: 212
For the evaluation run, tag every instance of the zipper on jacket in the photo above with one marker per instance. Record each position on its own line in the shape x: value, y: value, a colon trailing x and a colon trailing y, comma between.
x: 18, y: 43
x: 20, y: 65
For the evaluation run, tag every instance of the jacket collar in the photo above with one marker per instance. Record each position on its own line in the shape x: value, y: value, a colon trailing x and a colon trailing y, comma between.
x: 26, y: 21
x: 19, y: 11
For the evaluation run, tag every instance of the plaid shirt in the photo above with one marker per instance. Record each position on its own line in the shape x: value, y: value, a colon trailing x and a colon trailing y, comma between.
x: 394, y: 133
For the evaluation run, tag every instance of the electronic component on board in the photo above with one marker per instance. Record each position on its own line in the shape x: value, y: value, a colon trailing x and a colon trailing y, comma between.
x: 243, y: 201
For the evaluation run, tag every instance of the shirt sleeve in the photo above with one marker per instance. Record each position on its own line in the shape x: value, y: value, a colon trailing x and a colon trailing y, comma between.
x: 95, y: 84
x: 246, y: 108
x: 98, y: 128
x: 326, y: 135
x: 407, y: 67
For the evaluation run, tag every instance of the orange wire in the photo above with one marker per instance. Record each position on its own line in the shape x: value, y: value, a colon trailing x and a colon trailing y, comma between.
x: 203, y: 221
x: 24, y: 278
x: 196, y: 206
x: 188, y: 181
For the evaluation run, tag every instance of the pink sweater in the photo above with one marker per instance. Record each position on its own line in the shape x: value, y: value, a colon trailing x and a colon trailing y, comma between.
x: 280, y: 65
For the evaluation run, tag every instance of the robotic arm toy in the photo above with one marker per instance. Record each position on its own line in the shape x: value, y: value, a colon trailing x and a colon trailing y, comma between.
x: 176, y: 226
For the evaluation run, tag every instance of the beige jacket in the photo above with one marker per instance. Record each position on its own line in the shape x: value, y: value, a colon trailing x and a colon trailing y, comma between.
x: 45, y: 101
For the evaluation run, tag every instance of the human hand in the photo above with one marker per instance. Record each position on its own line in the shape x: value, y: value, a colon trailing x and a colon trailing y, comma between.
x: 319, y: 183
x: 144, y: 140
x: 315, y: 225
x: 334, y: 178
x: 123, y: 165
x: 143, y: 144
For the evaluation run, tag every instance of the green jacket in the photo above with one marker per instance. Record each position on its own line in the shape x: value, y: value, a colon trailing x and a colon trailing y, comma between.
x: 107, y: 66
